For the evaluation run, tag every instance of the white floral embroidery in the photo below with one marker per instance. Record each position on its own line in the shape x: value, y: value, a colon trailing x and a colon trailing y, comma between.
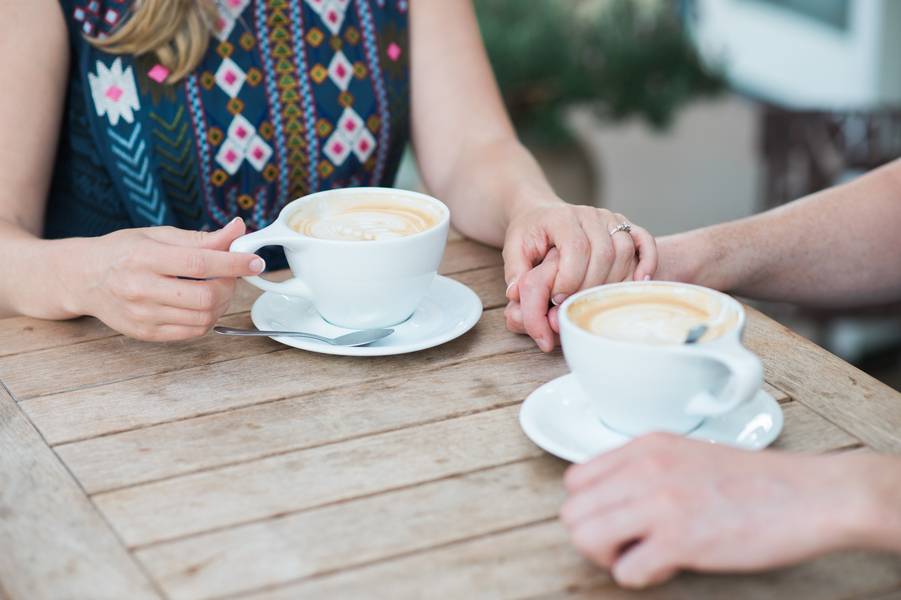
x: 114, y: 92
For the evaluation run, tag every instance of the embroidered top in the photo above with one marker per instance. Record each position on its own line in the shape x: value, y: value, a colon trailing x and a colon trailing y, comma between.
x: 293, y: 96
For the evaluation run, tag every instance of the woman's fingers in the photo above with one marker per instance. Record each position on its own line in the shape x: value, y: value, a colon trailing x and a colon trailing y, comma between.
x: 604, y: 536
x: 220, y: 239
x: 603, y: 251
x: 207, y: 295
x: 647, y: 563
x: 513, y: 316
x: 575, y: 252
x: 520, y: 255
x: 200, y: 263
x: 158, y: 315
x: 535, y: 294
x: 168, y: 333
x: 624, y: 250
x: 646, y: 246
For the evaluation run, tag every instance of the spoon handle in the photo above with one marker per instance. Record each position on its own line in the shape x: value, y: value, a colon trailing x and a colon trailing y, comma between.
x: 256, y: 332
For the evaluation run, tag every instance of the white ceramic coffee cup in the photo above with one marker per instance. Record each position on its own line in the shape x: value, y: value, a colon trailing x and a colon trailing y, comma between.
x: 355, y: 284
x: 639, y: 387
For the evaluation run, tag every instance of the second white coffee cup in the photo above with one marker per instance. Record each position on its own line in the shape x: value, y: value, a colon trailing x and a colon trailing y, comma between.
x: 637, y: 387
x: 356, y: 284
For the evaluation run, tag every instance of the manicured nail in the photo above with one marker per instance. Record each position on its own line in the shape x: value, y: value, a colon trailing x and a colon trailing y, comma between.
x: 558, y: 299
x: 509, y: 287
x: 257, y: 265
x: 647, y: 278
x: 235, y: 220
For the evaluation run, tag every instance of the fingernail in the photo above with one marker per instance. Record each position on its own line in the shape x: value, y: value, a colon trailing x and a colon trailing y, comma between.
x: 558, y: 299
x: 510, y: 286
x: 647, y: 278
x: 257, y: 265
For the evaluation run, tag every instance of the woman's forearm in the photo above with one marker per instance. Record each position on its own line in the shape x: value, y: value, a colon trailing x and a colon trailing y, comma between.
x: 837, y: 247
x: 41, y: 277
x: 491, y: 183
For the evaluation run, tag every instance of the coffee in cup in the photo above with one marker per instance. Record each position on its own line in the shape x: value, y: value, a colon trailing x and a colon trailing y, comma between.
x: 653, y: 317
x: 364, y: 257
x: 625, y: 345
x: 364, y: 217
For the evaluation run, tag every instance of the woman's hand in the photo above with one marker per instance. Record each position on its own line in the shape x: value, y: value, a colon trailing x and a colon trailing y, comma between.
x: 161, y: 283
x: 587, y: 255
x: 664, y: 503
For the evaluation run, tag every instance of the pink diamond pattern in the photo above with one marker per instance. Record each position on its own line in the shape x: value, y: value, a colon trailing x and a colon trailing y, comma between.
x: 158, y: 73
x: 230, y: 156
x: 364, y: 146
x: 230, y: 77
x: 241, y: 132
x: 337, y: 149
x: 258, y: 153
x: 349, y: 125
x: 340, y: 70
x: 114, y: 92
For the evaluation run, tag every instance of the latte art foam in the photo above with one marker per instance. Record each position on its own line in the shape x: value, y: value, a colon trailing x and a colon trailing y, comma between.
x: 653, y: 317
x: 363, y: 219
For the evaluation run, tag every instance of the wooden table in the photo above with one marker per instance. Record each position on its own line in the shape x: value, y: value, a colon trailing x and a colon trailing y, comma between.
x: 239, y: 467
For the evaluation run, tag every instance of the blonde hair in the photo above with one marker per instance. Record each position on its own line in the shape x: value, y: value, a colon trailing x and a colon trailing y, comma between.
x: 176, y: 31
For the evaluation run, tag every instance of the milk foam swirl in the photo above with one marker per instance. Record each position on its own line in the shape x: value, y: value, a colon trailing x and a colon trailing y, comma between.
x: 363, y: 219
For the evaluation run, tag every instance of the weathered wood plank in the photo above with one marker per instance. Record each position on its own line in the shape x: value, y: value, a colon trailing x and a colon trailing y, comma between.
x: 53, y: 542
x: 807, y: 431
x: 215, y: 388
x: 353, y: 533
x: 119, y: 358
x: 239, y: 435
x: 836, y: 577
x: 304, y: 479
x: 865, y: 407
x: 539, y: 562
x: 524, y: 562
x: 780, y: 396
x: 295, y: 480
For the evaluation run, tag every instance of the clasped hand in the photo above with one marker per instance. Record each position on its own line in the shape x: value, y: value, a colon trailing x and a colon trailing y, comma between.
x: 555, y: 250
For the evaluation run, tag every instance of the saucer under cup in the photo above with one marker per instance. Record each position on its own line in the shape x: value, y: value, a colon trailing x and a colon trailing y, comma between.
x: 560, y: 419
x: 448, y: 310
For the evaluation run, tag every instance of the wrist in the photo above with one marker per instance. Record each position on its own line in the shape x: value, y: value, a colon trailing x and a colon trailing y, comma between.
x: 68, y: 261
x: 527, y: 199
x: 876, y: 523
x: 698, y: 257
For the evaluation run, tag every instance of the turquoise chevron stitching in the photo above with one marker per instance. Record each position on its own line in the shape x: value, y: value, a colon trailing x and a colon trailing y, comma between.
x: 134, y: 164
x: 178, y: 170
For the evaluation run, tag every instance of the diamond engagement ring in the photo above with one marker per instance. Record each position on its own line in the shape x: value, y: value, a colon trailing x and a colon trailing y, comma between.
x: 627, y: 227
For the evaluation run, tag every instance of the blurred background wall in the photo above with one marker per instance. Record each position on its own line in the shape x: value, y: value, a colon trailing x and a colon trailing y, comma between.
x: 681, y: 114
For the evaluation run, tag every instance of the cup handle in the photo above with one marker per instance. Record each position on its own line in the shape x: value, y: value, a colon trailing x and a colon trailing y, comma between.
x: 746, y: 379
x: 273, y: 235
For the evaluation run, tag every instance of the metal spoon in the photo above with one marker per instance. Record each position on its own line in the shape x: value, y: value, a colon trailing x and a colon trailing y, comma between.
x: 355, y: 338
x: 696, y: 333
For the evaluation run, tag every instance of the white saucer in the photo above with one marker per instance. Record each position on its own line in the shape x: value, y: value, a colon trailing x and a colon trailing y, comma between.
x: 558, y: 418
x: 449, y: 310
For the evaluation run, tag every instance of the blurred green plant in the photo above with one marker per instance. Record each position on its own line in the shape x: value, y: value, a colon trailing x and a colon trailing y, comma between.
x: 624, y: 58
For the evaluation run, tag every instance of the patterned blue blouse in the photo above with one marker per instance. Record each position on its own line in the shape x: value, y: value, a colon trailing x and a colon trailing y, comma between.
x: 293, y: 96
